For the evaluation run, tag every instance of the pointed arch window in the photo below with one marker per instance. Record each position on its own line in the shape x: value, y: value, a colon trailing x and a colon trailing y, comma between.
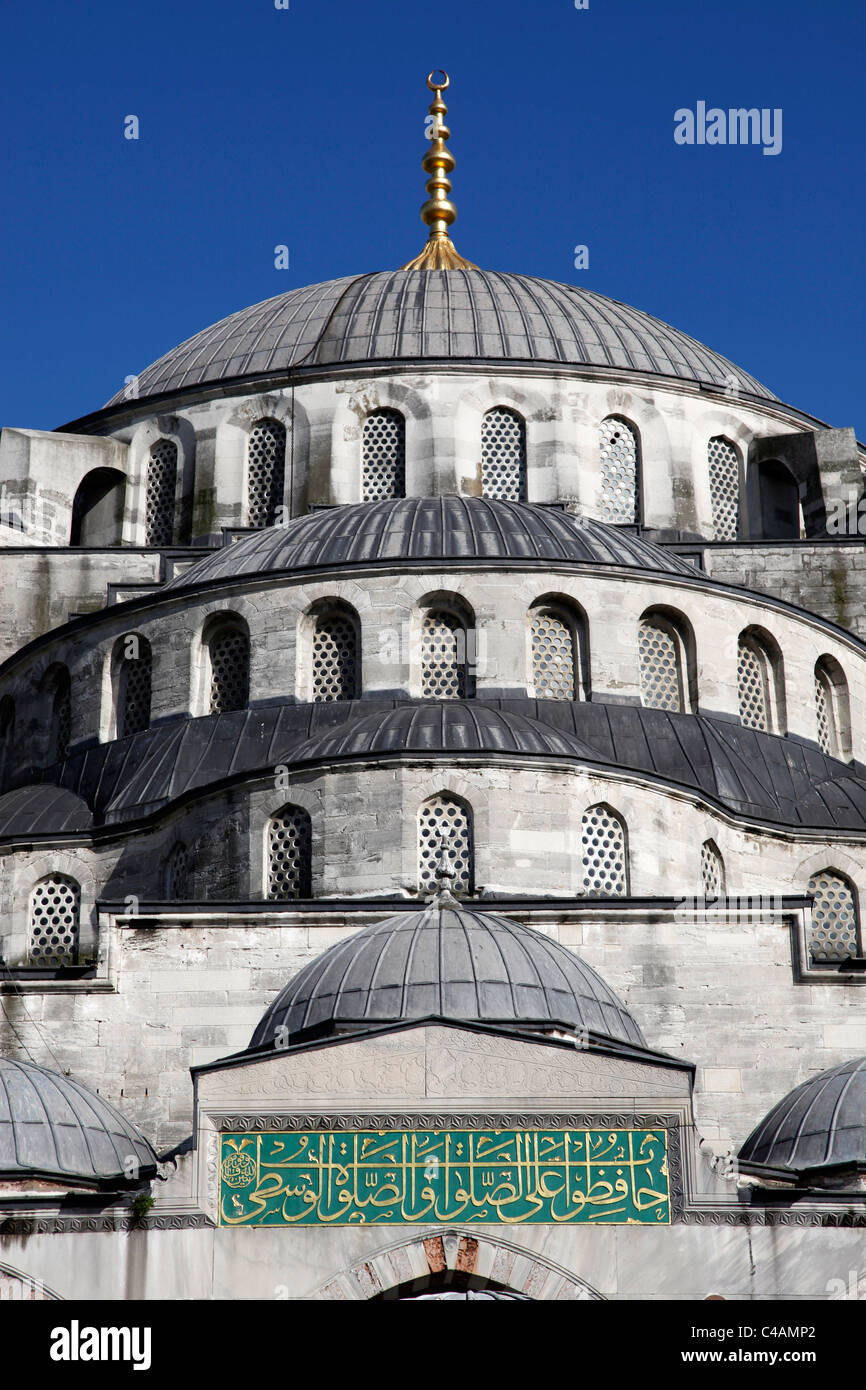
x: 229, y: 652
x: 266, y: 471
x: 55, y: 915
x: 290, y: 843
x: 383, y: 456
x: 160, y: 491
x: 832, y: 708
x: 558, y: 638
x: 335, y: 655
x: 756, y: 684
x: 620, y: 472
x: 661, y: 658
x: 133, y: 665
x: 448, y: 816
x: 445, y: 666
x: 177, y: 873
x: 605, y: 865
x: 835, y: 931
x: 724, y: 470
x: 503, y: 455
x: 712, y: 870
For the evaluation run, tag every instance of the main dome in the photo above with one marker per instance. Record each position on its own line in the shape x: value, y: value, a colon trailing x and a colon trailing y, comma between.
x: 446, y: 962
x: 429, y: 529
x: 436, y: 315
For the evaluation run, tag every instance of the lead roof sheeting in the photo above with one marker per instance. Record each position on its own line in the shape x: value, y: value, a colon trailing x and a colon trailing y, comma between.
x: 823, y: 1120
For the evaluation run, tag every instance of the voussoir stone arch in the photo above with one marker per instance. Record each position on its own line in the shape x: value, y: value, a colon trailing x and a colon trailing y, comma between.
x: 229, y: 463
x: 346, y: 428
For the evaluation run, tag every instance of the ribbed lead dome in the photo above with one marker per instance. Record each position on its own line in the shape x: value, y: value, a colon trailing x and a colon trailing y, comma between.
x: 52, y: 1126
x: 429, y: 529
x: 448, y: 962
x: 438, y: 315
x: 820, y: 1122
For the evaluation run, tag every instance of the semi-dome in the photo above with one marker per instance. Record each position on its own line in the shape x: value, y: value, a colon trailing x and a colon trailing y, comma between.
x: 53, y: 1127
x: 430, y: 529
x: 449, y: 962
x: 437, y: 315
x: 819, y: 1123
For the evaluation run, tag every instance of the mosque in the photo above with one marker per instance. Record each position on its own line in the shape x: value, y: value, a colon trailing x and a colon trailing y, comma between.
x: 433, y: 814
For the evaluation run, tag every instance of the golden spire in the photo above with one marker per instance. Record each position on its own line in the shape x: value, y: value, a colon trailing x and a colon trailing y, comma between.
x: 438, y: 212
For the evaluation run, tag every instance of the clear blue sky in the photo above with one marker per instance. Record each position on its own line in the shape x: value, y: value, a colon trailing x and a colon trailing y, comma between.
x: 261, y: 126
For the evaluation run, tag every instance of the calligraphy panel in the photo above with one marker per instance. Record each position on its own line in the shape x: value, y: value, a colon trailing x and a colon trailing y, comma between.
x: 512, y: 1177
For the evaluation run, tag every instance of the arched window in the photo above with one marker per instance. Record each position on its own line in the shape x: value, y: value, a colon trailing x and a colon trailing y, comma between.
x: 662, y: 655
x: 503, y: 455
x: 620, y: 472
x: 335, y: 655
x: 161, y: 486
x: 712, y: 870
x: 56, y: 686
x: 7, y: 737
x: 605, y: 867
x: 779, y: 496
x: 445, y: 815
x: 445, y: 666
x: 177, y: 873
x: 832, y: 708
x: 835, y: 933
x: 97, y: 508
x: 558, y: 640
x: 266, y: 471
x: 229, y: 650
x: 132, y: 664
x: 290, y: 854
x: 55, y: 912
x: 724, y: 470
x: 383, y: 456
x: 756, y: 684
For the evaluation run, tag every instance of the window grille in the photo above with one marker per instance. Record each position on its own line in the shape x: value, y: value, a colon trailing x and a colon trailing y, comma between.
x: 230, y: 670
x: 177, y: 873
x: 266, y: 471
x: 289, y: 854
x: 446, y: 815
x: 661, y: 681
x: 135, y: 684
x: 443, y: 657
x: 335, y: 663
x: 712, y: 871
x: 503, y: 455
x: 160, y: 489
x: 604, y: 862
x: 55, y: 911
x: 724, y: 470
x: 383, y: 456
x: 835, y: 932
x: 753, y: 683
x: 619, y: 473
x: 553, y: 657
x: 62, y: 719
x: 828, y: 738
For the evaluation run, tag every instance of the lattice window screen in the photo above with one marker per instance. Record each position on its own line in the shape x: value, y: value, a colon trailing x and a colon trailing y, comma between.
x: 289, y: 854
x: 55, y: 912
x: 825, y: 710
x: 62, y: 721
x: 835, y: 932
x: 753, y: 679
x: 383, y: 456
x: 440, y: 815
x: 230, y: 671
x: 135, y: 686
x: 160, y: 488
x: 604, y: 859
x: 619, y: 473
x: 177, y: 872
x: 266, y: 471
x: 661, y: 681
x: 554, y: 657
x: 724, y: 470
x: 712, y: 871
x: 503, y: 455
x: 335, y: 658
x: 443, y: 657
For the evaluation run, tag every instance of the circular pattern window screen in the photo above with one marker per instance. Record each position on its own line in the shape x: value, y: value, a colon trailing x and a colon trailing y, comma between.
x: 603, y: 844
x: 619, y: 479
x: 724, y: 470
x: 289, y: 854
x: 266, y: 471
x: 503, y: 456
x: 443, y: 657
x: 160, y: 490
x: 55, y: 910
x: 659, y: 660
x: 553, y: 657
x: 334, y: 658
x: 835, y: 932
x: 444, y: 815
x: 384, y: 456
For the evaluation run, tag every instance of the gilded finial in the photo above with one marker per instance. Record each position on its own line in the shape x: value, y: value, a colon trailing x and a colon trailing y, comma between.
x: 438, y: 212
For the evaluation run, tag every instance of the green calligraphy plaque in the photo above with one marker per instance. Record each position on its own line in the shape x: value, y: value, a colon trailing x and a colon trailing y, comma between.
x: 392, y: 1178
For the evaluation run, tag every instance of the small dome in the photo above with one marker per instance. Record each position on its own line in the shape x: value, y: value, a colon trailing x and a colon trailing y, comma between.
x: 446, y: 962
x: 53, y: 1127
x: 42, y: 808
x: 821, y: 1122
x: 429, y: 529
x: 445, y: 726
x: 437, y: 315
